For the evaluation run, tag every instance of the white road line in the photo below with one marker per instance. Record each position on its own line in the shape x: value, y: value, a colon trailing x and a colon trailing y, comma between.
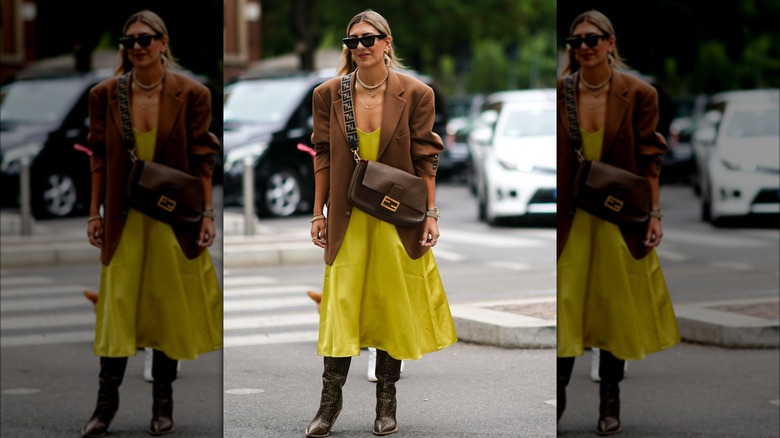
x: 48, y: 321
x: 671, y: 255
x: 713, y: 240
x: 48, y: 338
x: 508, y: 265
x: 738, y: 266
x: 66, y: 289
x: 483, y: 239
x: 25, y: 281
x: 240, y: 281
x: 266, y: 321
x: 441, y: 254
x: 265, y: 304
x: 271, y: 338
x: 295, y: 289
x: 36, y: 304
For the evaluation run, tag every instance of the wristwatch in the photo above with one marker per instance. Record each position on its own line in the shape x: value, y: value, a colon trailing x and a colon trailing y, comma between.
x: 434, y: 213
x: 656, y: 212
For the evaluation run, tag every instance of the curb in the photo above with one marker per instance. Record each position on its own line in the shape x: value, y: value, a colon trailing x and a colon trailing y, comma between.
x: 703, y: 323
x: 479, y: 323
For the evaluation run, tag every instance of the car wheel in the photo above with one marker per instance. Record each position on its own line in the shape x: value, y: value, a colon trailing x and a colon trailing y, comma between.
x: 282, y: 194
x: 57, y: 196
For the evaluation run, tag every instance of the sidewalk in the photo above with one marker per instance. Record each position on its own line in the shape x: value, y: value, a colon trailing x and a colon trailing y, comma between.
x: 530, y: 323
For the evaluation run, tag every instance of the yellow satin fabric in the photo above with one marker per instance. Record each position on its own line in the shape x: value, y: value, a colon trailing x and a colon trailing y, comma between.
x: 375, y: 295
x: 606, y: 298
x: 152, y: 295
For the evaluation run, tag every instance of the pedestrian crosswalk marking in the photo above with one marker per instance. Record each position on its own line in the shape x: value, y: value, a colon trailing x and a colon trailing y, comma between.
x: 68, y: 289
x: 265, y: 304
x: 490, y: 240
x: 25, y: 281
x: 267, y: 321
x: 294, y: 289
x: 271, y: 338
x: 234, y: 282
x: 47, y: 338
x: 37, y: 304
x: 46, y: 321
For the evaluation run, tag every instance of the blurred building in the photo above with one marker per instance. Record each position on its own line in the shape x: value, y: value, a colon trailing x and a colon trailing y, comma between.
x: 242, y: 38
x: 17, y: 36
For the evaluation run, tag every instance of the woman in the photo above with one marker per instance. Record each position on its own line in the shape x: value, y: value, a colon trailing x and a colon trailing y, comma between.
x: 382, y: 288
x: 611, y: 290
x: 158, y: 287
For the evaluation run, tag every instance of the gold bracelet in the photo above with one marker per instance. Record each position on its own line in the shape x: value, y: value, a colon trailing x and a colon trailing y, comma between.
x: 317, y: 217
x: 209, y: 212
x: 94, y: 218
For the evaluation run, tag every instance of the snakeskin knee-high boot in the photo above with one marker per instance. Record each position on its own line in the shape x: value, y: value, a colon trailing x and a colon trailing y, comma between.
x: 333, y: 378
x: 388, y: 371
x: 112, y: 371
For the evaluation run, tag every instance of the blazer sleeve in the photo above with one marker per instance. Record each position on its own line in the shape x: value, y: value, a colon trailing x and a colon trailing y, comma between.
x: 203, y: 144
x: 426, y: 144
x: 650, y: 144
x: 320, y: 137
x: 98, y: 110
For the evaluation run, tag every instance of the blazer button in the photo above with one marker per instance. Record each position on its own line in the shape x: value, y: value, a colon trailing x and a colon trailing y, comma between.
x: 347, y: 213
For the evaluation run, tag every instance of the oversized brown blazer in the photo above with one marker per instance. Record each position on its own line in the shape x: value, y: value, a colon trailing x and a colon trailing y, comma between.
x: 630, y: 140
x: 183, y: 142
x: 407, y: 141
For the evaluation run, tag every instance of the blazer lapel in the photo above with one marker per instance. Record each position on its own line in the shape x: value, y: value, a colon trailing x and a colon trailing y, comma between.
x: 392, y: 111
x: 617, y: 103
x: 170, y: 105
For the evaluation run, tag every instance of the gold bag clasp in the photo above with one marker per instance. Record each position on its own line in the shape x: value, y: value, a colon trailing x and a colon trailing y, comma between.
x: 390, y: 204
x: 613, y: 204
x: 166, y: 203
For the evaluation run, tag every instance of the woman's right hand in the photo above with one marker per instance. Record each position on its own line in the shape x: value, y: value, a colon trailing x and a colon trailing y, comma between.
x: 95, y: 233
x: 319, y: 233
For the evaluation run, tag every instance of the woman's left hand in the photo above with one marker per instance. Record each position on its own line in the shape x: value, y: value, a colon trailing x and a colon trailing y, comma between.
x: 430, y: 232
x: 207, y: 232
x: 654, y: 232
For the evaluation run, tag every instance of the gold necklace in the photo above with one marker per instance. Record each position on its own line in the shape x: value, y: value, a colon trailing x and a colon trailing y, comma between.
x: 594, y: 89
x: 370, y: 88
x: 148, y: 89
x: 372, y: 107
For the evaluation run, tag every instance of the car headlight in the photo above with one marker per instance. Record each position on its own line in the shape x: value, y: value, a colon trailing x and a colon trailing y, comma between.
x: 511, y: 165
x: 238, y: 155
x: 733, y: 165
x: 12, y: 159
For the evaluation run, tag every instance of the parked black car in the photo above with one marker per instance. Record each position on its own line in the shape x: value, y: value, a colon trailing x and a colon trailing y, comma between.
x: 45, y: 118
x: 268, y: 122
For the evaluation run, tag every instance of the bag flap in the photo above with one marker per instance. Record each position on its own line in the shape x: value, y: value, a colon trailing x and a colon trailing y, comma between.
x: 391, y: 181
x: 603, y: 176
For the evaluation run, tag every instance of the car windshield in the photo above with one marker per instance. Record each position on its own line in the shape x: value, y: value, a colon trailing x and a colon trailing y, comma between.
x: 40, y: 100
x: 263, y: 101
x: 754, y: 123
x: 529, y: 123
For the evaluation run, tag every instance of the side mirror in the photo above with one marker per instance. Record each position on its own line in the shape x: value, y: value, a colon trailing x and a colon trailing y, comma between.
x: 487, y: 118
x: 713, y: 117
x: 705, y: 135
x: 481, y: 136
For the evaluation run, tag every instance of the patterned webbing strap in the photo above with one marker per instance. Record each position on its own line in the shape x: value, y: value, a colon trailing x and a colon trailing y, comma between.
x: 571, y: 111
x: 124, y: 112
x: 349, y: 114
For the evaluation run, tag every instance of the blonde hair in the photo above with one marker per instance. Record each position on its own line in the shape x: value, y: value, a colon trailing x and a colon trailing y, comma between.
x: 347, y: 64
x: 154, y: 21
x: 601, y: 21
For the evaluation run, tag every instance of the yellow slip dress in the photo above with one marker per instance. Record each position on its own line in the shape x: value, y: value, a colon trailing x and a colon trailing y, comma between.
x: 606, y: 298
x: 375, y: 295
x: 152, y: 295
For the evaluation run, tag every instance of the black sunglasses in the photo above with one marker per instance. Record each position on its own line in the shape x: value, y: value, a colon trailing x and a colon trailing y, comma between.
x: 144, y: 40
x: 366, y: 41
x: 590, y: 40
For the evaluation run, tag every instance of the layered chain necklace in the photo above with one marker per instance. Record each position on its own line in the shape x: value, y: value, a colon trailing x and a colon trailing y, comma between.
x: 370, y: 88
x: 370, y: 107
x: 148, y: 89
x: 594, y: 89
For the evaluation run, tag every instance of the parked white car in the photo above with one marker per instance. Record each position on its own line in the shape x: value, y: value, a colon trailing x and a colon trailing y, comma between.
x: 740, y: 167
x: 515, y: 153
